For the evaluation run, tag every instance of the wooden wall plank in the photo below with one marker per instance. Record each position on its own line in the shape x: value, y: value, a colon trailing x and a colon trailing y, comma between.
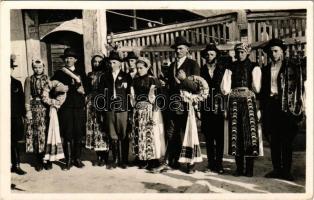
x: 287, y: 30
x: 202, y: 35
x: 281, y: 25
x: 197, y: 33
x: 213, y: 34
x: 293, y: 28
x: 298, y: 28
x: 171, y: 38
x: 303, y: 24
x: 134, y: 42
x: 143, y: 41
x: 158, y: 39
x: 167, y: 41
x: 224, y: 33
x: 152, y: 37
x: 193, y: 36
x: 188, y: 35
x: 138, y: 41
x: 219, y: 33
x: 162, y: 39
x: 182, y: 33
x: 207, y: 32
x: 275, y: 28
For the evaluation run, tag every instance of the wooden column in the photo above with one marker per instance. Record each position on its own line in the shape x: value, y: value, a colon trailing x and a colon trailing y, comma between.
x: 18, y: 45
x: 94, y: 35
x: 32, y: 38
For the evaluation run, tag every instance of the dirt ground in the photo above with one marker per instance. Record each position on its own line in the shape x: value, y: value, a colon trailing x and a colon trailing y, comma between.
x: 93, y: 179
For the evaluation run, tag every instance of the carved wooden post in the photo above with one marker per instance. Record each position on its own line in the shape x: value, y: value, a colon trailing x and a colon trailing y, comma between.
x: 32, y: 38
x: 94, y: 35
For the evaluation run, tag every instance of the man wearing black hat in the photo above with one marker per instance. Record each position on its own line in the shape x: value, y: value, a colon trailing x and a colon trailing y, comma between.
x: 131, y: 60
x: 212, y: 109
x: 17, y: 114
x: 72, y: 112
x: 279, y: 81
x: 115, y: 86
x: 180, y: 70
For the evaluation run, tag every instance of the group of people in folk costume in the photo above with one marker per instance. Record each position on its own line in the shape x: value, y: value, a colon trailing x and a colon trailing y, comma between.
x: 119, y: 108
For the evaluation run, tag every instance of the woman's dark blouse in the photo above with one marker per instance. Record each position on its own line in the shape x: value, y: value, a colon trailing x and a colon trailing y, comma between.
x: 142, y: 84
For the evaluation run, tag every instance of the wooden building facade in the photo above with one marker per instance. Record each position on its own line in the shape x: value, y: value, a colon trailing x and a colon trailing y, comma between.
x: 46, y: 33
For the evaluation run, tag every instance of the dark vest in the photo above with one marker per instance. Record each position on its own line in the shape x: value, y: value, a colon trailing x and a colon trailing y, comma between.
x: 242, y: 73
x: 215, y: 96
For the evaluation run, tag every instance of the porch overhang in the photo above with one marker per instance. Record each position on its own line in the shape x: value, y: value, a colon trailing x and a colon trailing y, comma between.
x: 64, y: 30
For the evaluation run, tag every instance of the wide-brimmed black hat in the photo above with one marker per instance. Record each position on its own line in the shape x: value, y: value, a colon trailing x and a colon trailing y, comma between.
x: 69, y: 52
x: 180, y: 41
x: 131, y: 55
x: 114, y: 56
x: 209, y: 47
x: 274, y: 42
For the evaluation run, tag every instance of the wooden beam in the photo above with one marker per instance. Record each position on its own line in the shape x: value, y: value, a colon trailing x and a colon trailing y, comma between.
x: 134, y: 20
x: 176, y: 27
x: 134, y: 17
x: 275, y: 13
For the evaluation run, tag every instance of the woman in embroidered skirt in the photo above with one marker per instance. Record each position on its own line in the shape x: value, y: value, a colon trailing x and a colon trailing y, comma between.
x: 240, y: 81
x: 54, y: 95
x: 36, y: 113
x: 148, y: 130
x: 95, y: 134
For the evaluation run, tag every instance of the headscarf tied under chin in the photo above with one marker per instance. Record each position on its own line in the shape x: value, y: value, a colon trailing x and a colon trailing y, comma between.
x: 100, y: 64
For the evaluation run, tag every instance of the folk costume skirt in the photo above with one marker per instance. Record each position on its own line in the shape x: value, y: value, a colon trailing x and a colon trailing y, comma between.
x: 96, y: 138
x: 148, y: 137
x: 244, y: 134
x: 54, y: 150
x: 36, y: 128
x: 191, y: 150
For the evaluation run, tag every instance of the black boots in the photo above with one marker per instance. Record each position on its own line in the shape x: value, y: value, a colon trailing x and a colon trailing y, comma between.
x: 190, y: 168
x: 115, y: 153
x: 15, y: 160
x: 239, y: 162
x: 73, y: 155
x: 17, y: 169
x: 102, y: 158
x: 48, y: 165
x: 249, y: 165
x: 40, y: 164
x: 124, y: 148
x: 99, y: 159
x: 68, y: 156
x: 77, y: 162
